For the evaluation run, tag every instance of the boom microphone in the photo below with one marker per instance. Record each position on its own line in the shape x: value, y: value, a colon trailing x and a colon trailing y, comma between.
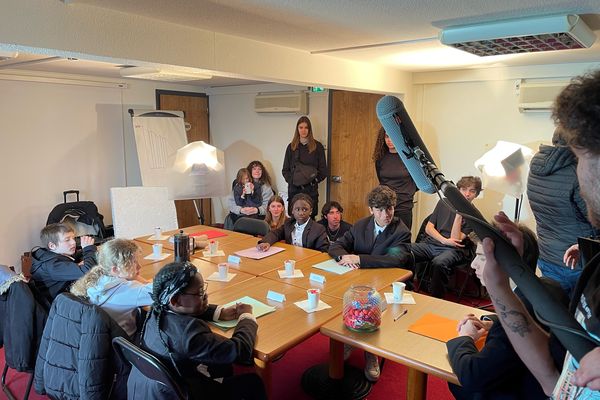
x: 399, y: 127
x: 418, y: 161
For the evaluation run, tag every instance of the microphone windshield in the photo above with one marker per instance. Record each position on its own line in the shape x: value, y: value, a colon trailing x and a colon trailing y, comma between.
x: 405, y: 137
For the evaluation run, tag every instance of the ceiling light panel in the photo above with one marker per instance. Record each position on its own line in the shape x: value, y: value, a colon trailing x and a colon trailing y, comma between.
x: 526, y: 35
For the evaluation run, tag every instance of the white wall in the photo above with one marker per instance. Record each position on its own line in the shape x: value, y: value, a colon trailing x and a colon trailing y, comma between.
x: 55, y: 137
x: 245, y: 135
x: 462, y: 114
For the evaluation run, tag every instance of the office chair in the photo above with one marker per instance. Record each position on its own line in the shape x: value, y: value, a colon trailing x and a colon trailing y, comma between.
x: 147, y: 364
x: 251, y: 226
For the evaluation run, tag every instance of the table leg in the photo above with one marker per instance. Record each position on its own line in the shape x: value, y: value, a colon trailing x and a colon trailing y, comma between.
x: 264, y: 371
x: 416, y: 388
x: 336, y: 359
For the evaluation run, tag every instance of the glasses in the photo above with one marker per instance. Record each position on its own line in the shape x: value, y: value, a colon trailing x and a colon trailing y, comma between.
x: 201, y: 293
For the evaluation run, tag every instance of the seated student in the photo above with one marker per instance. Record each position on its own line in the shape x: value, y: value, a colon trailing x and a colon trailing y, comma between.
x: 444, y: 243
x: 300, y: 230
x: 115, y: 283
x: 331, y: 219
x: 495, y: 372
x: 376, y: 241
x: 56, y: 265
x: 246, y: 193
x: 176, y: 331
x: 276, y: 215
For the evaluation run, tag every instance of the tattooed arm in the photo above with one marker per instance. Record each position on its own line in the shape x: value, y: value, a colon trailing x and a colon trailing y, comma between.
x: 528, y: 339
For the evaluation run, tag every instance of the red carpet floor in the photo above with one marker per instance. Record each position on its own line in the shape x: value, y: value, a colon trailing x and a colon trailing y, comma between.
x: 287, y: 373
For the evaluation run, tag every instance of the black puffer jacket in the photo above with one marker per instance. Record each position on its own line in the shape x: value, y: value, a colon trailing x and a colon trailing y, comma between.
x: 560, y: 212
x: 76, y: 359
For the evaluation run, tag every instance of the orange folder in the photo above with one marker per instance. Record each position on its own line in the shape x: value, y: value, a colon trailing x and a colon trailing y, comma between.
x: 440, y: 328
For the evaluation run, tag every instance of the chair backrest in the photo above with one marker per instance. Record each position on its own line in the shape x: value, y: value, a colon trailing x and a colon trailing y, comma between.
x: 251, y: 226
x: 136, y: 211
x: 147, y: 364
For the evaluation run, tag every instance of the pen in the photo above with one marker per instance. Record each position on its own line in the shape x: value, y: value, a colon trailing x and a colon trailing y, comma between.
x: 397, y: 317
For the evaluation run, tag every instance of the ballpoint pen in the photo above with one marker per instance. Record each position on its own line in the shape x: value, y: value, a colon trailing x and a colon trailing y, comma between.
x: 397, y: 317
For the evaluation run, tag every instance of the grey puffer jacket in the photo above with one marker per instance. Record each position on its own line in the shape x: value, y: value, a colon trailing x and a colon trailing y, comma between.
x: 559, y: 210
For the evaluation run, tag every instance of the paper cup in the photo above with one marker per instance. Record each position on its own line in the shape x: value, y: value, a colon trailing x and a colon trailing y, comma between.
x: 223, y: 270
x: 213, y: 247
x: 157, y: 250
x: 157, y: 233
x: 398, y: 290
x: 289, y: 266
x: 313, y: 298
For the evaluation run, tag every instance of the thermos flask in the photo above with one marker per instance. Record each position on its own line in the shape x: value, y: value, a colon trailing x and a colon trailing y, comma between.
x: 184, y: 246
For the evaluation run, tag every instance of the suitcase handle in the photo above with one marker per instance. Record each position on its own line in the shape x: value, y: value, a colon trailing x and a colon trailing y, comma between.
x: 68, y: 192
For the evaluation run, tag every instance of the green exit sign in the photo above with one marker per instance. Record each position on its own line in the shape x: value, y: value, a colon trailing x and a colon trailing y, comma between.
x: 316, y: 89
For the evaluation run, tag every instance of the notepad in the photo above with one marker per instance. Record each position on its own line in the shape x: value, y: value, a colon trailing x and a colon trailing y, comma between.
x: 333, y: 267
x: 210, y: 233
x: 257, y: 254
x: 258, y: 310
x: 440, y: 328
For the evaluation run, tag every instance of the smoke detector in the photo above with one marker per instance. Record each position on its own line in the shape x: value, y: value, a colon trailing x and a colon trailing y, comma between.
x: 8, y: 55
x: 524, y: 35
x: 157, y: 74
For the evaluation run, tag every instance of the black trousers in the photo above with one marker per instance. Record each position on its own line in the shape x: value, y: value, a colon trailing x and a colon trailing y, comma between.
x: 442, y: 259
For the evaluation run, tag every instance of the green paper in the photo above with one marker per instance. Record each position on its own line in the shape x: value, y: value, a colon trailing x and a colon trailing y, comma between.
x: 258, y: 310
x: 332, y: 266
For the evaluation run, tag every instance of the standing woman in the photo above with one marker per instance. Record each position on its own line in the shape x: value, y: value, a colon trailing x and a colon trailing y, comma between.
x: 392, y: 172
x: 304, y: 164
x: 260, y: 179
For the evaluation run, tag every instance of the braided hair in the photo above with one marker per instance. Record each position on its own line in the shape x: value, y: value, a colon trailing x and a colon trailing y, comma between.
x: 170, y: 280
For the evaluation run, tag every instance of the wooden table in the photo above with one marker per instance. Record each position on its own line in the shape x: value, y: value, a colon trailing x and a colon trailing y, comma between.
x: 230, y: 236
x: 393, y: 341
x: 281, y: 330
x: 336, y: 285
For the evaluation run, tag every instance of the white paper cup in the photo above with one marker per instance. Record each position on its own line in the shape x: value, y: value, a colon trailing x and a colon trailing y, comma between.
x: 398, y: 290
x: 223, y: 270
x: 157, y: 250
x: 213, y: 247
x: 157, y: 233
x: 289, y: 266
x: 313, y: 298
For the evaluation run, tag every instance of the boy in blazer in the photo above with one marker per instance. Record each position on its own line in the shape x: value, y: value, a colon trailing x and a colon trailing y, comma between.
x: 300, y: 230
x: 379, y: 240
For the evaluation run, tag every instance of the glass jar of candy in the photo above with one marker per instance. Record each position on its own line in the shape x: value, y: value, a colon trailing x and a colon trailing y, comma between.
x: 362, y: 308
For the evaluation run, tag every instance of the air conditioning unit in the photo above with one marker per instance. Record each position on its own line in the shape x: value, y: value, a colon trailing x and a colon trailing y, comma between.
x: 539, y: 96
x: 281, y: 102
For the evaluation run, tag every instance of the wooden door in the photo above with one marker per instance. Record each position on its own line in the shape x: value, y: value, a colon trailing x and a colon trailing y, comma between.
x: 195, y: 109
x: 353, y: 131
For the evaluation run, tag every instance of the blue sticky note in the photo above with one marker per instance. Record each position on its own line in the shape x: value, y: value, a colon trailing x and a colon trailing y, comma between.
x: 233, y: 259
x: 272, y: 295
x: 317, y: 278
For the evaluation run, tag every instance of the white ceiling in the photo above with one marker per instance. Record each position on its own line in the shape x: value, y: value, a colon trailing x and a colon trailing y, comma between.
x: 317, y: 25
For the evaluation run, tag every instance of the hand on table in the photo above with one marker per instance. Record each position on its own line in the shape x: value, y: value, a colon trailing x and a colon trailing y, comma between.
x: 350, y: 260
x: 234, y: 311
x: 472, y: 328
x: 263, y: 246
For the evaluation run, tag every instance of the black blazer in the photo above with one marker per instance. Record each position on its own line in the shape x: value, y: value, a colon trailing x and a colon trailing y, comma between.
x: 390, y: 249
x: 314, y: 235
x: 495, y: 372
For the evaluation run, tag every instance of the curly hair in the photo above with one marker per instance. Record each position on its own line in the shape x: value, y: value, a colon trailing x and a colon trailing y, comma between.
x: 328, y: 206
x: 119, y: 253
x: 381, y: 147
x: 468, y: 181
x: 381, y: 197
x: 312, y: 143
x: 577, y: 111
x: 265, y: 177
